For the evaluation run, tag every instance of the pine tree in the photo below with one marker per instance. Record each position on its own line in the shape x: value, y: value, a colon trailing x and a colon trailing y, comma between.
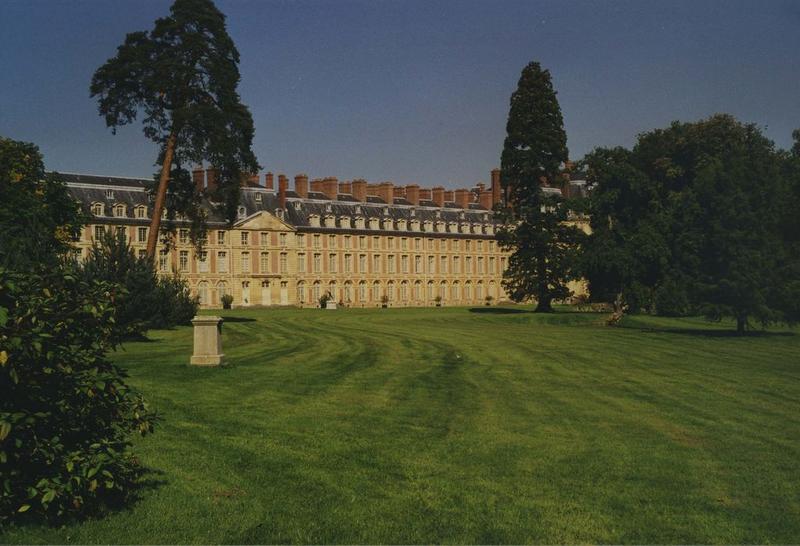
x: 182, y: 76
x: 544, y: 244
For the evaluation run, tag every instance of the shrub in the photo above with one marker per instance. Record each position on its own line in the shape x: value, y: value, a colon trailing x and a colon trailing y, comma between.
x: 487, y: 298
x: 226, y: 300
x: 65, y: 412
x: 178, y: 306
x: 323, y: 300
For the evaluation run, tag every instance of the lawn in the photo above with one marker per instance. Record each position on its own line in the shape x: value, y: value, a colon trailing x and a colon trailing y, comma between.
x: 486, y: 425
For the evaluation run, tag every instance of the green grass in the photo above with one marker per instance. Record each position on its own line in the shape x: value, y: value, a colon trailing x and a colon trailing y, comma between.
x: 446, y: 425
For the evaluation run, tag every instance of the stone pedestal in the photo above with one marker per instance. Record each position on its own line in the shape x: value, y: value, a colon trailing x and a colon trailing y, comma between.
x: 207, y: 341
x: 330, y: 304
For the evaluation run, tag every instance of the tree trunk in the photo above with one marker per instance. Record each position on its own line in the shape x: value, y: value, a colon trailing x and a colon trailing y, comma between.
x: 544, y: 305
x: 741, y: 325
x: 161, y: 195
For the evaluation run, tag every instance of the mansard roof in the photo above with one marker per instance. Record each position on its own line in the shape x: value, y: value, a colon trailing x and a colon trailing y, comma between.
x: 109, y: 191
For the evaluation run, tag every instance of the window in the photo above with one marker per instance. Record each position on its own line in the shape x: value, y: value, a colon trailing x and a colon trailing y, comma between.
x: 141, y: 211
x: 376, y: 263
x: 317, y: 241
x: 376, y: 243
x: 222, y: 261
x: 317, y: 263
x: 362, y: 263
x: 331, y: 241
x: 348, y: 291
x: 390, y: 243
x: 362, y: 291
x: 376, y: 291
x: 284, y: 262
x: 362, y: 242
x: 418, y: 291
x: 430, y: 244
x: 347, y: 242
x: 301, y: 240
x: 202, y: 262
x: 220, y: 237
x: 491, y: 265
x: 468, y: 291
x: 403, y: 243
x: 456, y: 265
x: 468, y: 245
x: 141, y: 234
x: 142, y: 253
x: 430, y: 264
x: 258, y: 198
x: 480, y: 265
x: 264, y: 238
x: 202, y: 292
x: 98, y: 232
x: 479, y: 291
x: 417, y: 264
x: 184, y: 260
x: 98, y: 209
x: 332, y: 263
x: 404, y: 291
x: 443, y: 265
x: 109, y: 194
x: 282, y: 239
x: 301, y: 263
x: 502, y: 264
x: 241, y: 213
x: 163, y: 260
x: 480, y: 246
x: 245, y: 238
x: 390, y: 263
x: 348, y: 263
x: 121, y: 232
x: 417, y: 244
x: 404, y: 263
x: 264, y: 264
x: 468, y: 265
x: 183, y: 236
x: 430, y: 291
x: 301, y: 292
x: 455, y: 291
x: 119, y: 210
x: 315, y: 292
x: 245, y: 262
x: 245, y: 292
x: 390, y: 291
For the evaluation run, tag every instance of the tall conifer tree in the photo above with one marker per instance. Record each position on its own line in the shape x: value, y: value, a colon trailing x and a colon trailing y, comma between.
x: 544, y: 245
x: 182, y: 76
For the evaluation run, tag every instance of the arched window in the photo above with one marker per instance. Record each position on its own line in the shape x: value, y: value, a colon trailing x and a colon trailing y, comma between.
x: 443, y: 289
x: 222, y: 289
x: 431, y: 294
x: 266, y: 293
x: 348, y: 292
x: 246, y: 292
x: 119, y: 210
x: 455, y: 291
x: 315, y: 292
x: 332, y: 290
x: 141, y: 211
x: 98, y: 209
x: 390, y: 290
x: 241, y: 213
x: 202, y: 292
x: 362, y: 291
x: 418, y: 291
x: 479, y: 291
x: 468, y: 290
x: 301, y: 292
x: 404, y: 291
x: 376, y: 291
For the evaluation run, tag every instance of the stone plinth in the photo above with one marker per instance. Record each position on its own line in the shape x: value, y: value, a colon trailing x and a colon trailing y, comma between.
x: 207, y: 341
x: 330, y: 305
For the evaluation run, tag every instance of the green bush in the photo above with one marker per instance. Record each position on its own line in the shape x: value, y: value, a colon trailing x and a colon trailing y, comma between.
x: 226, y: 301
x: 178, y: 306
x: 65, y: 411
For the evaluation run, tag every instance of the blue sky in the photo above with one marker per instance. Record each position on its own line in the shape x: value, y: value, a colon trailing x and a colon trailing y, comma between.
x: 413, y: 92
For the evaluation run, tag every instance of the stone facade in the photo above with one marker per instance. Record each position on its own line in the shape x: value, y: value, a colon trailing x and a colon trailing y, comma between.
x: 357, y: 241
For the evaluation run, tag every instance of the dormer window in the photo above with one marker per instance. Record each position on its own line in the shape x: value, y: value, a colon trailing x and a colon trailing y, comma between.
x: 358, y: 209
x: 328, y: 207
x: 460, y: 215
x: 386, y: 211
x: 258, y: 198
x: 98, y: 209
x: 119, y: 210
x: 413, y: 212
x: 109, y: 194
x: 298, y: 205
x: 141, y: 211
x: 438, y: 214
x: 241, y: 213
x: 279, y: 213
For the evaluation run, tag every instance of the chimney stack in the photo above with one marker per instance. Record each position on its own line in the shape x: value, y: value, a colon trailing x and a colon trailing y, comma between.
x: 485, y: 199
x: 462, y: 198
x: 199, y: 178
x: 425, y: 194
x: 301, y: 185
x: 448, y: 196
x: 360, y: 190
x: 386, y: 192
x: 317, y: 185
x: 211, y: 179
x: 330, y: 187
x: 412, y: 194
x: 269, y: 181
x: 283, y: 186
x: 496, y: 191
x: 346, y: 187
x: 437, y: 193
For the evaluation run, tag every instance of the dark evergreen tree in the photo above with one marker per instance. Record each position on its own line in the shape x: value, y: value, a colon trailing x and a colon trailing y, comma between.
x: 544, y: 245
x: 182, y: 76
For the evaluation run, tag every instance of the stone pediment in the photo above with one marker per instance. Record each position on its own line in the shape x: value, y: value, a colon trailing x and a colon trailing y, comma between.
x: 264, y: 221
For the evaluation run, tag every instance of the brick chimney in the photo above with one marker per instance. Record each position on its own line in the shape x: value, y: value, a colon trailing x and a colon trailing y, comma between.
x: 269, y: 182
x: 283, y: 186
x: 438, y: 196
x: 301, y: 185
x: 360, y: 190
x: 211, y: 179
x: 330, y: 187
x: 425, y: 194
x: 448, y: 196
x: 462, y: 198
x: 496, y: 191
x: 485, y: 199
x: 346, y: 187
x: 199, y: 178
x: 412, y: 194
x: 317, y: 185
x: 386, y: 192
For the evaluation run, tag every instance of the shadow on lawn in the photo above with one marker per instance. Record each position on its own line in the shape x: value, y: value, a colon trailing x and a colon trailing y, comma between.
x: 237, y: 319
x: 498, y: 310
x: 700, y: 332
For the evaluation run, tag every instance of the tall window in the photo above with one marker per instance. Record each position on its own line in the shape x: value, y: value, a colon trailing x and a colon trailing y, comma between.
x: 282, y: 239
x: 376, y: 291
x: 390, y: 243
x: 331, y: 241
x: 362, y: 291
x: 245, y: 262
x: 202, y: 262
x: 491, y: 265
x: 404, y: 291
x: 264, y: 238
x: 202, y: 292
x: 284, y: 262
x: 245, y: 238
x: 376, y: 263
x: 480, y: 265
x: 390, y: 263
x: 220, y: 237
x: 333, y: 263
x: 121, y: 232
x: 362, y: 242
x: 222, y: 261
x: 119, y: 210
x: 348, y: 263
x: 348, y: 292
x: 315, y: 292
x: 456, y: 265
x: 347, y: 242
x: 430, y: 291
x: 417, y: 291
x: 404, y: 263
x: 301, y: 292
x: 264, y: 265
x: 404, y: 243
x: 362, y: 263
x: 317, y: 241
x: 98, y: 232
x: 390, y: 290
x: 417, y: 264
x: 183, y: 262
x: 431, y: 260
x: 443, y: 265
x: 468, y: 265
x: 141, y: 234
x: 163, y: 260
x: 301, y: 262
x: 183, y: 236
x: 317, y: 263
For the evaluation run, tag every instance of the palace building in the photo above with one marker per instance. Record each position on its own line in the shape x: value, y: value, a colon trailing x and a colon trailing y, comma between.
x: 359, y: 242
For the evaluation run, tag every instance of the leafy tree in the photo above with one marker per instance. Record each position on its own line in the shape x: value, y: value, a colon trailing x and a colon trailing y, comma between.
x: 182, y: 76
x: 65, y: 410
x: 689, y: 220
x: 536, y: 225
